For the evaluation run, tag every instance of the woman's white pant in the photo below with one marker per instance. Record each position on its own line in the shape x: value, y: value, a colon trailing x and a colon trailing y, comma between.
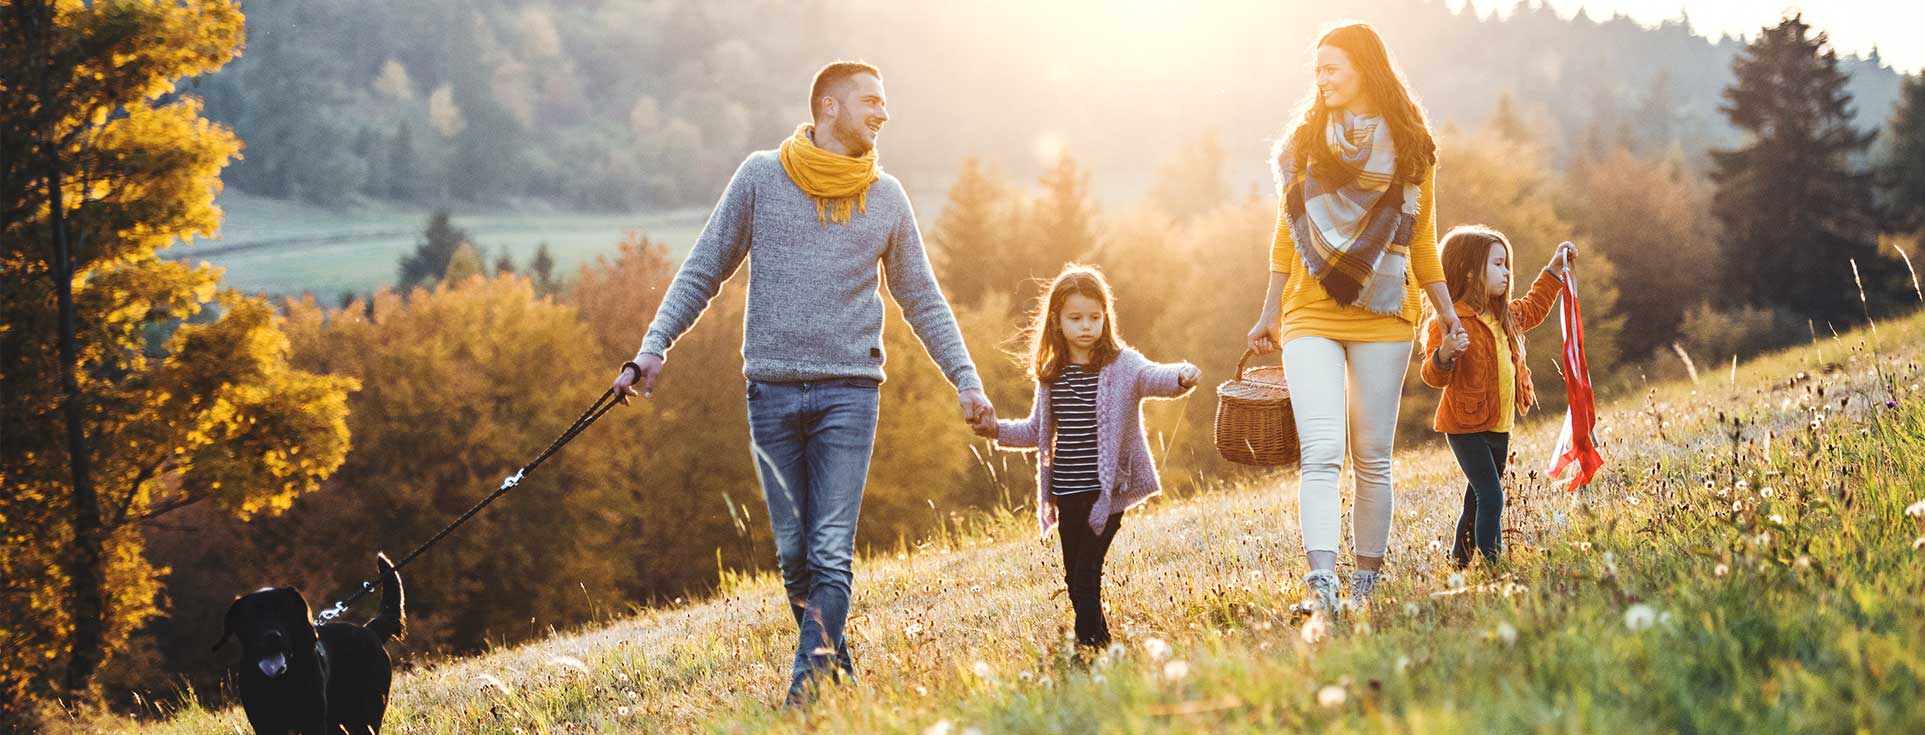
x: 1345, y: 394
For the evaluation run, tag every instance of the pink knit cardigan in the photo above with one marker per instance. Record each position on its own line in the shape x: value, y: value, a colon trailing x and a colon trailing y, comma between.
x: 1125, y: 466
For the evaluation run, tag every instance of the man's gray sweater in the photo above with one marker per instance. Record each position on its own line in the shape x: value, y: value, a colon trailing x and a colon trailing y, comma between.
x: 814, y: 306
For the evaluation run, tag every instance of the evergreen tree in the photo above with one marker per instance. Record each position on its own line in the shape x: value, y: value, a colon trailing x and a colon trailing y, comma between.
x: 430, y: 257
x: 1064, y: 219
x: 1795, y: 211
x: 1904, y: 170
x: 972, y: 244
x: 542, y: 269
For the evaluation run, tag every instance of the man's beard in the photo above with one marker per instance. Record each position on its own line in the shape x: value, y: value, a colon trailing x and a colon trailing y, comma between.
x: 849, y: 134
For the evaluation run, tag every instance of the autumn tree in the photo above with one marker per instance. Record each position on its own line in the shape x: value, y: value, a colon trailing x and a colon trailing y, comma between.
x: 133, y: 386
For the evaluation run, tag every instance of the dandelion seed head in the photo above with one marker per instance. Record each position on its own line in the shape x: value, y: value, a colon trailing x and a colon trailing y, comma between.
x: 942, y: 727
x: 982, y: 669
x: 1332, y: 696
x: 1156, y: 648
x: 1316, y: 628
x: 1916, y: 510
x: 1455, y: 581
x: 1777, y: 519
x: 1639, y: 616
x: 1506, y: 633
x: 1721, y: 569
x: 1411, y: 609
x: 1403, y: 664
x: 1176, y: 670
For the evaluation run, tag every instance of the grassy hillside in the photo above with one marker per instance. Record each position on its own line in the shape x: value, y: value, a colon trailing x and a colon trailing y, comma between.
x: 282, y: 247
x: 1748, y: 563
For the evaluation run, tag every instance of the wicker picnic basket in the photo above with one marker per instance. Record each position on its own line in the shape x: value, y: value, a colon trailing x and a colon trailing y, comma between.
x: 1254, y: 421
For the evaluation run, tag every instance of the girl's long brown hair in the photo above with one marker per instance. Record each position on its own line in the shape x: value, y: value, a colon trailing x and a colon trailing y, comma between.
x: 1048, y: 351
x: 1466, y: 255
x: 1416, y: 149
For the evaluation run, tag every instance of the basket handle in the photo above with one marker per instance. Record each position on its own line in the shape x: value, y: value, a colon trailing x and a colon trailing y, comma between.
x: 1247, y: 354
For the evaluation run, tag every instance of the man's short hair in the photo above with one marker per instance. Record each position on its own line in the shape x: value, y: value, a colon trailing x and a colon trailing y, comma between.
x: 835, y: 73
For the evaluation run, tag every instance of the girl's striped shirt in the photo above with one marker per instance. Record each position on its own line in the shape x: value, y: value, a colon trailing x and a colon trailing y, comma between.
x: 1072, y: 399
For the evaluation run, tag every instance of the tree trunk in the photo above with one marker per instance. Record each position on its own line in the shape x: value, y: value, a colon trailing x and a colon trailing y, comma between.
x: 85, y: 593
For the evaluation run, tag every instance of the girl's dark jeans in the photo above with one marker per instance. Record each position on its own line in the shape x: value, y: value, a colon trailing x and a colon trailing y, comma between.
x: 1482, y: 457
x: 1083, y: 552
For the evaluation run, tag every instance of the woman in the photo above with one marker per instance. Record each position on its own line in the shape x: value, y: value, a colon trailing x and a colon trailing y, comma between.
x: 1356, y: 239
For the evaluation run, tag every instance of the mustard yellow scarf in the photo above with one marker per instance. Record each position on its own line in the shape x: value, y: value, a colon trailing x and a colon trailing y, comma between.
x: 839, y: 184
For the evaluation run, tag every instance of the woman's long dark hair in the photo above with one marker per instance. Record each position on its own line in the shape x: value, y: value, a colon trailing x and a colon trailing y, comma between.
x: 1416, y: 149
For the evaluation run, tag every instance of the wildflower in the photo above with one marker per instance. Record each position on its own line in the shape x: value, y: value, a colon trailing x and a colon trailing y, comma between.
x: 982, y: 669
x: 1506, y: 633
x: 1639, y: 616
x: 1804, y: 562
x: 1777, y: 519
x: 1403, y: 664
x: 1332, y: 696
x: 1762, y: 539
x: 1025, y: 676
x: 1743, y: 485
x: 1316, y: 628
x: 942, y: 727
x: 922, y: 691
x: 1721, y: 569
x: 1456, y: 580
x: 1411, y: 609
x: 1918, y: 543
x: 1768, y: 492
x: 1916, y: 510
x: 1737, y: 506
x: 622, y: 710
x: 631, y: 694
x: 1116, y: 650
x: 1176, y: 670
x: 1156, y: 648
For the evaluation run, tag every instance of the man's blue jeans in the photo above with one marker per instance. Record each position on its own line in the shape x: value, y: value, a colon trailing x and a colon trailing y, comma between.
x: 812, y: 442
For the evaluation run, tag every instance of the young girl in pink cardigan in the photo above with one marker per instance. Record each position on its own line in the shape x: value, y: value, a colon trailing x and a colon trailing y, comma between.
x: 1093, y: 460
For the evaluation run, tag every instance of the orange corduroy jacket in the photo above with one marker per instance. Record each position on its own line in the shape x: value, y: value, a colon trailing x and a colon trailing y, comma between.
x: 1470, y: 381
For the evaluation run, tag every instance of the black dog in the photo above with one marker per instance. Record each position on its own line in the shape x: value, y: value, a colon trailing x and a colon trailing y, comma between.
x: 297, y: 677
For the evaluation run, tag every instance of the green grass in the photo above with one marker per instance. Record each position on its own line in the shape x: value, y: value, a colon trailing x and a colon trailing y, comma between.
x: 280, y: 247
x: 1746, y: 564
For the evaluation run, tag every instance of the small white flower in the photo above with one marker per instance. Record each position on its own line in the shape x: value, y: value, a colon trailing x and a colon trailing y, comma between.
x: 1156, y: 648
x: 1776, y: 519
x: 1768, y: 492
x: 622, y: 710
x: 1506, y: 633
x: 982, y: 669
x: 1411, y: 609
x: 1721, y: 569
x: 1403, y: 664
x: 1916, y: 510
x: 1332, y: 696
x: 1176, y: 670
x: 1455, y: 581
x: 1743, y: 485
x: 1804, y: 562
x: 1316, y: 628
x: 1762, y: 539
x: 1116, y: 650
x: 1025, y: 676
x: 1737, y: 506
x: 942, y: 727
x: 1639, y: 616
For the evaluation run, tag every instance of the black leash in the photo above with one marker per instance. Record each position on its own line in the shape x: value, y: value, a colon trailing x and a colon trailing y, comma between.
x: 601, y: 406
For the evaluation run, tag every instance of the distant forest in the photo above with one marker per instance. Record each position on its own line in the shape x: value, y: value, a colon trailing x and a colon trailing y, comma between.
x: 625, y: 105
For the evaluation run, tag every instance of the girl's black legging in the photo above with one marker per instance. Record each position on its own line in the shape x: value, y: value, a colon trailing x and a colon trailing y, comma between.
x: 1083, y: 552
x: 1482, y: 457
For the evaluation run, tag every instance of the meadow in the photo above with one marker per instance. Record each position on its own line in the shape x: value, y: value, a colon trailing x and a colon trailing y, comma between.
x: 280, y: 247
x: 1749, y: 561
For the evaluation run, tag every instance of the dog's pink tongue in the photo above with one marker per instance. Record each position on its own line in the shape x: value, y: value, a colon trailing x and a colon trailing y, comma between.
x: 274, y: 665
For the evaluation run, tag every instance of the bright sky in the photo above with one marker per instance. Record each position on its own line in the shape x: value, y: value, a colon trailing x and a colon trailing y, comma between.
x: 1855, y: 26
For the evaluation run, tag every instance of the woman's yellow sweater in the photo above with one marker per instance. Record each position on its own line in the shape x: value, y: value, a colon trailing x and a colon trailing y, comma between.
x: 1310, y: 312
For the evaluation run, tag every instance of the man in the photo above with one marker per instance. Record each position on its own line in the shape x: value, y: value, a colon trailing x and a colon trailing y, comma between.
x: 814, y: 218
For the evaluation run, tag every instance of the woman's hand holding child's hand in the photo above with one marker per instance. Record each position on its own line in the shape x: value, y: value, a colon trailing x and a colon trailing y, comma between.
x: 1454, y: 344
